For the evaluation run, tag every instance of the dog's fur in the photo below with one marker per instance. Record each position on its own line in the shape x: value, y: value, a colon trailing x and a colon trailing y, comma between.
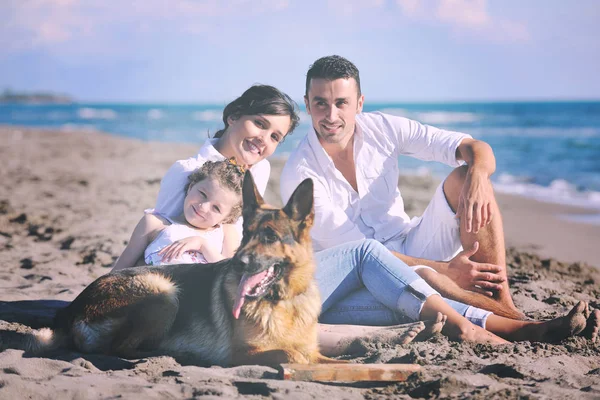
x: 188, y: 311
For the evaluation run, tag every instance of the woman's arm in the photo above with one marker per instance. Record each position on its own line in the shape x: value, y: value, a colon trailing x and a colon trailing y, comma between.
x: 231, y: 240
x: 145, y: 231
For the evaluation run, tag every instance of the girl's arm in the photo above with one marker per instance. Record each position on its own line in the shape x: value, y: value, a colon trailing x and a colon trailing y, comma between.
x: 145, y: 231
x: 231, y: 240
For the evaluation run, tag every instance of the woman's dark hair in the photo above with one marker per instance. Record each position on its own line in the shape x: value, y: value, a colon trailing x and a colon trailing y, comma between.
x: 228, y: 175
x: 261, y: 99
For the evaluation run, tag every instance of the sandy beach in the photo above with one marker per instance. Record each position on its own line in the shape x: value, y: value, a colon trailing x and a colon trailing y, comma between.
x: 70, y: 200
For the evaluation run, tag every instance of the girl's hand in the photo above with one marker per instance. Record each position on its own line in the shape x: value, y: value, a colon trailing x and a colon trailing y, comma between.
x: 177, y: 248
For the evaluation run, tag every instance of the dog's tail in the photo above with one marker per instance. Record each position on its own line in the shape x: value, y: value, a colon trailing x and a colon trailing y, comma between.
x: 321, y: 359
x: 35, y: 342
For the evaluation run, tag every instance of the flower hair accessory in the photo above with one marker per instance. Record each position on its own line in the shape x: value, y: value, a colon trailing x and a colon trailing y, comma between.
x: 232, y: 161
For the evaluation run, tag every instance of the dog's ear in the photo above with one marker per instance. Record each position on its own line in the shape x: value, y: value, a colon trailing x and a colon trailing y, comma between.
x: 300, y: 204
x: 251, y: 199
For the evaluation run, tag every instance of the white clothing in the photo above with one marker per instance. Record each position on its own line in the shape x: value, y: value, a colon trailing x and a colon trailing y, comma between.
x: 377, y: 210
x: 436, y: 236
x: 171, y: 193
x: 177, y: 231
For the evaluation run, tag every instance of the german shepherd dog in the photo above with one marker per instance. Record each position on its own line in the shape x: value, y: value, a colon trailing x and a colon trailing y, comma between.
x: 259, y: 307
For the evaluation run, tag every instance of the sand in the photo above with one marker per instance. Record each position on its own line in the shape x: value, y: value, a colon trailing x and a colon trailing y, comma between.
x: 69, y: 201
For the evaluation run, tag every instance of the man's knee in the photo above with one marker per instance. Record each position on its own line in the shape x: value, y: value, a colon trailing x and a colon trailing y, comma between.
x: 453, y: 186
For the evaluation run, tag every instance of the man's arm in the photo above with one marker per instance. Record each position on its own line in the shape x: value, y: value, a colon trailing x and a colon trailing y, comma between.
x: 482, y: 277
x: 475, y: 201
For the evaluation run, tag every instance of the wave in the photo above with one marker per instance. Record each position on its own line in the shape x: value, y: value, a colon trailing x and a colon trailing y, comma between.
x: 207, y: 116
x: 434, y: 117
x: 155, y: 113
x: 96, y: 113
x: 559, y: 191
x: 445, y: 117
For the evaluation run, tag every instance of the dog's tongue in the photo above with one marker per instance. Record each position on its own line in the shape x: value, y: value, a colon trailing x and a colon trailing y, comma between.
x: 247, y: 283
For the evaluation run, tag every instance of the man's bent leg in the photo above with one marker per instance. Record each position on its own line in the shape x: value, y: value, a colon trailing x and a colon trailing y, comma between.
x: 491, y: 239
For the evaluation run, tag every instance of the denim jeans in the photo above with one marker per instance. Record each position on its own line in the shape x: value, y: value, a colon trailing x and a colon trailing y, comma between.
x: 363, y: 283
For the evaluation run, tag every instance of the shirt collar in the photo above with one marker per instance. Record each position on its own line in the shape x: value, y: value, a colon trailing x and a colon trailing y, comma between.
x: 323, y: 158
x: 209, y: 152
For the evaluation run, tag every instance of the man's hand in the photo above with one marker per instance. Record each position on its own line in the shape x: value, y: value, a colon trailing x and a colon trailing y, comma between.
x: 177, y: 248
x: 474, y: 276
x: 475, y: 201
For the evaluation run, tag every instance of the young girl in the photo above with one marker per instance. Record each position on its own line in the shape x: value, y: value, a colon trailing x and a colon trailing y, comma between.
x: 201, y: 232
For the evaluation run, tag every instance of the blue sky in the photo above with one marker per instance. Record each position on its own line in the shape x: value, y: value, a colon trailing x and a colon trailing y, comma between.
x: 211, y: 50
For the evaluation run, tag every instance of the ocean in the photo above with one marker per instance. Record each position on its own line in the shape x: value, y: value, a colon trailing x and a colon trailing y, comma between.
x: 545, y: 150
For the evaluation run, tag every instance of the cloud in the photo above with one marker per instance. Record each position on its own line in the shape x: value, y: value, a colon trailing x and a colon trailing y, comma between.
x: 31, y: 24
x: 353, y: 7
x: 463, y: 13
x: 410, y: 8
x: 466, y: 17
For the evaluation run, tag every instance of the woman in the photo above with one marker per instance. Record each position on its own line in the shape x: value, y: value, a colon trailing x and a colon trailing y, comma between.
x: 361, y: 277
x: 255, y: 123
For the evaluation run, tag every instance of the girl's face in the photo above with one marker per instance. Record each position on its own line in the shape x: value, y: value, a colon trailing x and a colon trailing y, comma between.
x: 252, y: 138
x: 207, y: 203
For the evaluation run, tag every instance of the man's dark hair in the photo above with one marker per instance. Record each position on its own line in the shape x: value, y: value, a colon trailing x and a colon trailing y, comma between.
x: 332, y: 68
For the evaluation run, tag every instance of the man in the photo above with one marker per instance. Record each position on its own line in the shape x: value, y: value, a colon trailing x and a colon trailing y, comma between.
x: 352, y: 158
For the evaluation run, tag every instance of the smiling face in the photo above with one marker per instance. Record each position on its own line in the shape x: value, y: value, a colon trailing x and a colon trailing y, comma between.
x: 207, y: 203
x: 252, y: 138
x: 333, y: 105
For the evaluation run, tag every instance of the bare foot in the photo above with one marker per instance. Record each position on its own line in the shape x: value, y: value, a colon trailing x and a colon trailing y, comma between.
x: 556, y: 329
x: 592, y: 325
x: 432, y: 327
x: 336, y: 340
x: 469, y: 332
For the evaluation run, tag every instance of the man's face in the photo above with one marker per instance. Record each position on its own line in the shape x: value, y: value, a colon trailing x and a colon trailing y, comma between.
x: 333, y: 106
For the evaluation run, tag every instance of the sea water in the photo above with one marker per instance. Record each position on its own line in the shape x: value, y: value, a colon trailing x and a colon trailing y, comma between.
x: 546, y: 150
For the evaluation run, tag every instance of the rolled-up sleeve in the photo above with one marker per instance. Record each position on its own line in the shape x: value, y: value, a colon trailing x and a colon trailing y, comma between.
x: 425, y: 142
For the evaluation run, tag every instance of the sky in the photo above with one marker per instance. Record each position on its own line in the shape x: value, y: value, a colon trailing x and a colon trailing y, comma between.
x: 202, y: 51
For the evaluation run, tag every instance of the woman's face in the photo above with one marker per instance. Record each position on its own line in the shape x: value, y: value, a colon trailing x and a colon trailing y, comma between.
x: 252, y: 138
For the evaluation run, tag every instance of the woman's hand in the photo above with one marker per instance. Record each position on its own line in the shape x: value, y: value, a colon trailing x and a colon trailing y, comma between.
x: 477, y: 277
x: 177, y: 248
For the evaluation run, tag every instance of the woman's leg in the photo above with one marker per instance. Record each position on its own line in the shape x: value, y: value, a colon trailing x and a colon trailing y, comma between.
x: 344, y: 269
x: 363, y: 283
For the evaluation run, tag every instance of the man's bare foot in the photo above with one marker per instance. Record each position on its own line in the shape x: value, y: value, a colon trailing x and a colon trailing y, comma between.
x: 592, y: 325
x: 556, y: 329
x: 432, y: 327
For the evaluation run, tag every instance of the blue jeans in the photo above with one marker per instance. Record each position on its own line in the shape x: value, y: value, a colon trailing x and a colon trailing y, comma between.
x: 363, y: 283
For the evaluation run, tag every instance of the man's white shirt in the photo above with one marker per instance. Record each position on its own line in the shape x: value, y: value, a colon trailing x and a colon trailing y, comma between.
x: 377, y: 210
